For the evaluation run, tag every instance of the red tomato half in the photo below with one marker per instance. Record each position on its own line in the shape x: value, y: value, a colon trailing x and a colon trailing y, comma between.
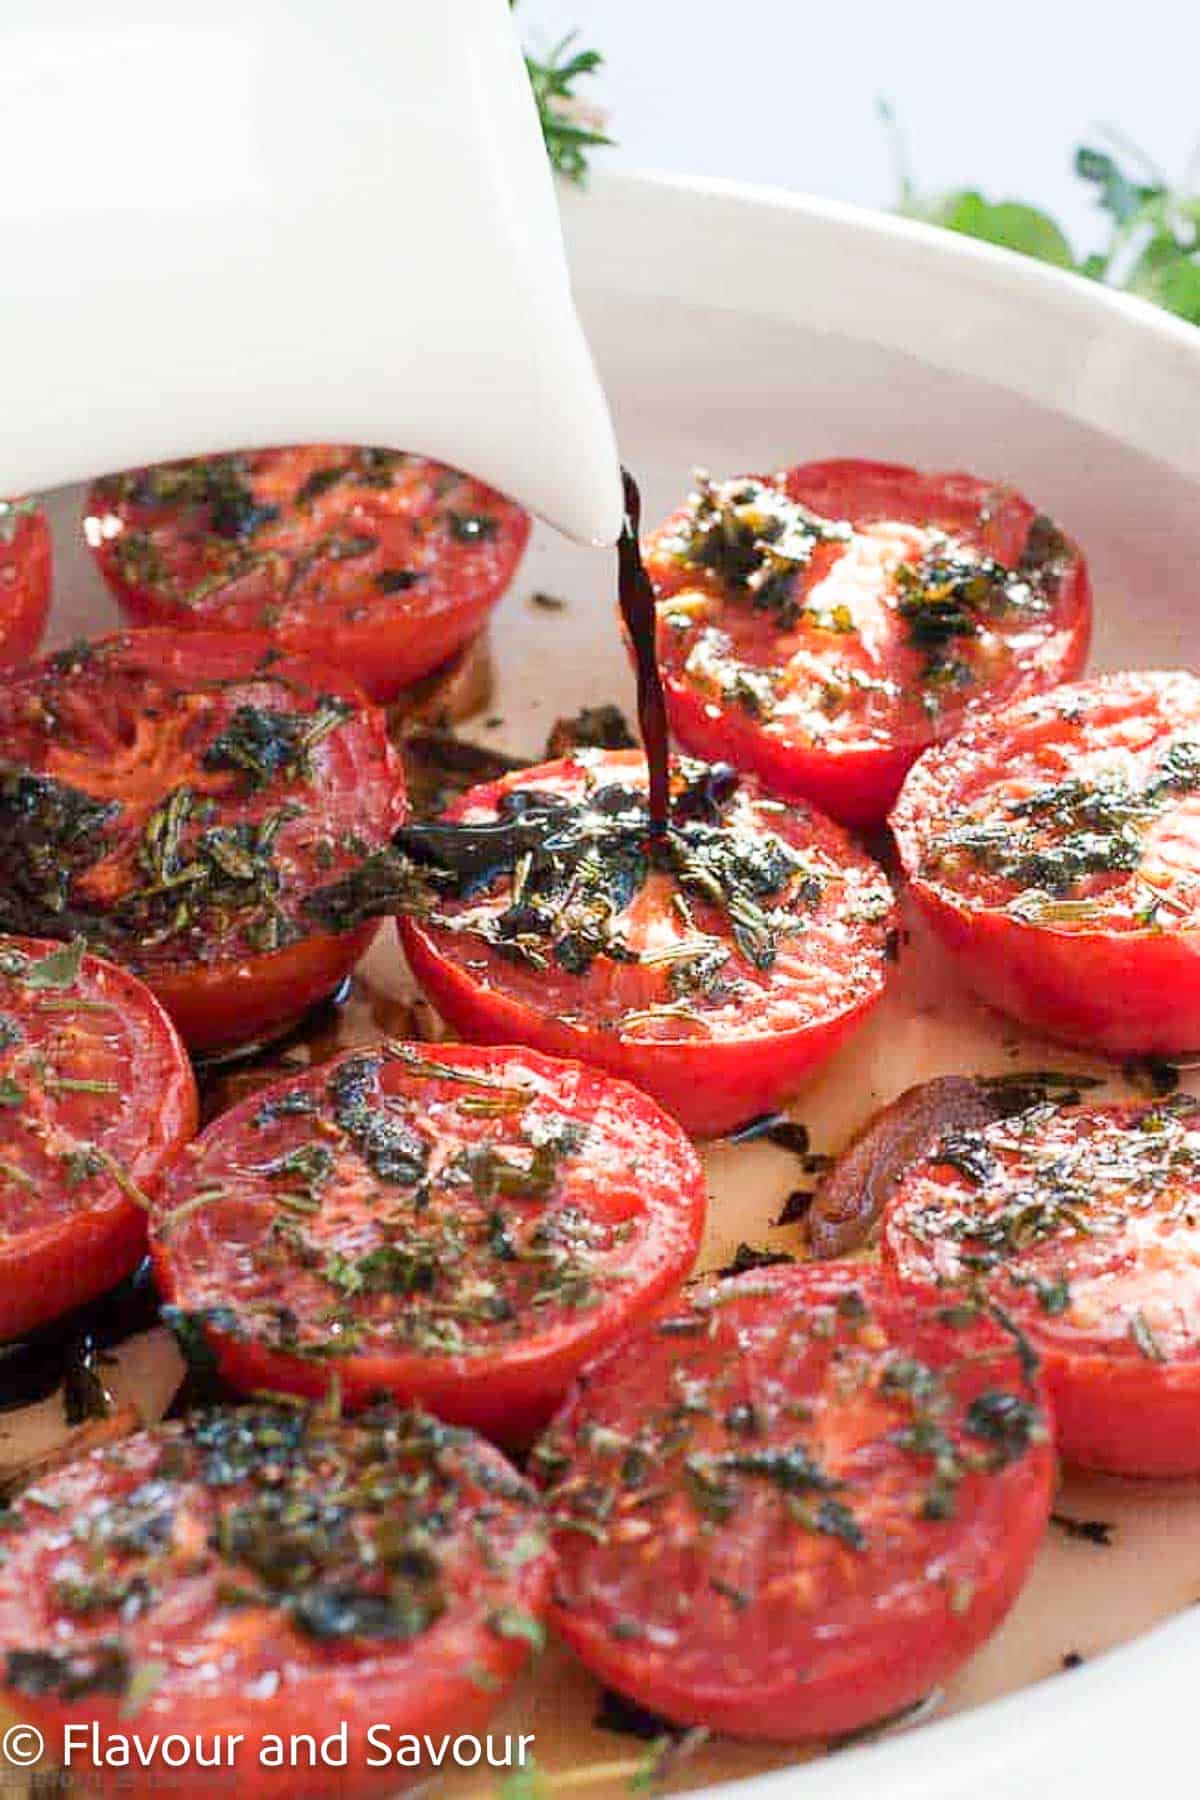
x: 379, y: 563
x: 264, y: 1570
x: 823, y: 626
x: 96, y: 1093
x: 1083, y: 1223
x: 1055, y: 848
x: 25, y: 571
x: 174, y: 797
x: 461, y: 1228
x: 797, y: 1504
x: 715, y: 971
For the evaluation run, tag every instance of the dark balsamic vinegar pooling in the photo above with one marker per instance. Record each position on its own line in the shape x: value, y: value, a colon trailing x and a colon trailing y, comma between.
x: 69, y: 1352
x: 637, y: 610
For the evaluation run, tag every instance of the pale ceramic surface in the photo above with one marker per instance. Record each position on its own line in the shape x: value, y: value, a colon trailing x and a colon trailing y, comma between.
x: 683, y: 97
x: 730, y: 369
x: 270, y: 223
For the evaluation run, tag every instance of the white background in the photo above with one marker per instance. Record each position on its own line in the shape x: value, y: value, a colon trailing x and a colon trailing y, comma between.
x: 993, y: 94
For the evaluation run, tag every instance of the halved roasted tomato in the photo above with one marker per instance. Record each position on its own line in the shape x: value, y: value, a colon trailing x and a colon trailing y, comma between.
x: 1083, y: 1224
x: 1055, y: 849
x: 796, y: 1503
x: 714, y: 967
x: 376, y: 562
x: 25, y: 568
x: 220, y: 1583
x: 822, y: 626
x: 96, y: 1094
x: 173, y: 797
x: 458, y: 1227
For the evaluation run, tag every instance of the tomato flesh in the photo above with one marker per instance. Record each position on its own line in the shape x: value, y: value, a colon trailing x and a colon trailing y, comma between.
x: 822, y: 627
x: 1083, y: 1223
x: 1055, y: 849
x: 457, y: 1227
x: 265, y: 1570
x: 174, y: 797
x: 376, y: 562
x: 796, y: 1504
x: 25, y: 576
x: 714, y: 972
x: 96, y: 1094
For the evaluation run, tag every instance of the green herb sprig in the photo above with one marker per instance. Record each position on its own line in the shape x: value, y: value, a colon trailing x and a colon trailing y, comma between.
x: 571, y: 128
x: 1152, y: 225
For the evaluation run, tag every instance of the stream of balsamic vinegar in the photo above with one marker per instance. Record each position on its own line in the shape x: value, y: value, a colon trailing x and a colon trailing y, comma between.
x: 638, y: 611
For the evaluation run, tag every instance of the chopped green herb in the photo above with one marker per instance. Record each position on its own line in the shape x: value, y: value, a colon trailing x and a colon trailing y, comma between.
x: 266, y: 745
x: 755, y: 539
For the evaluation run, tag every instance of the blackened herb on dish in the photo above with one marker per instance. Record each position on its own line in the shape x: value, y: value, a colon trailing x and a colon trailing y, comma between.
x: 776, y: 1129
x: 49, y: 831
x: 398, y: 581
x: 1152, y: 1075
x: 594, y: 728
x: 439, y: 766
x: 796, y: 1207
x: 1007, y: 1422
x: 755, y: 539
x: 103, y: 1668
x: 392, y: 1148
x: 320, y: 482
x: 1099, y: 1532
x: 267, y: 745
x: 750, y: 1256
x: 219, y: 483
x: 1047, y: 552
x: 949, y: 595
x: 616, y: 1712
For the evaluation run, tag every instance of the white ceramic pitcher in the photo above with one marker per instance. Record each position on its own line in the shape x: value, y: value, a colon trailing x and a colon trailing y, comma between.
x: 247, y: 222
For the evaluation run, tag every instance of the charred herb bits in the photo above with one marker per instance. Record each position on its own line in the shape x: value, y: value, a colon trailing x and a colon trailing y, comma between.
x: 262, y: 1569
x: 173, y: 797
x: 1055, y: 848
x: 456, y: 1226
x: 96, y: 1095
x: 714, y: 967
x: 821, y: 626
x: 381, y: 563
x: 796, y: 1503
x: 1081, y: 1225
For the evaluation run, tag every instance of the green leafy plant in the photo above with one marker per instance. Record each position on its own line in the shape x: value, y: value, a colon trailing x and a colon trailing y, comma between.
x: 1151, y: 241
x: 1152, y: 228
x: 571, y: 126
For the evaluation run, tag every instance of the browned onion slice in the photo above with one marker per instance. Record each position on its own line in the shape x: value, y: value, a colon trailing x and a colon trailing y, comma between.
x: 848, y: 1202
